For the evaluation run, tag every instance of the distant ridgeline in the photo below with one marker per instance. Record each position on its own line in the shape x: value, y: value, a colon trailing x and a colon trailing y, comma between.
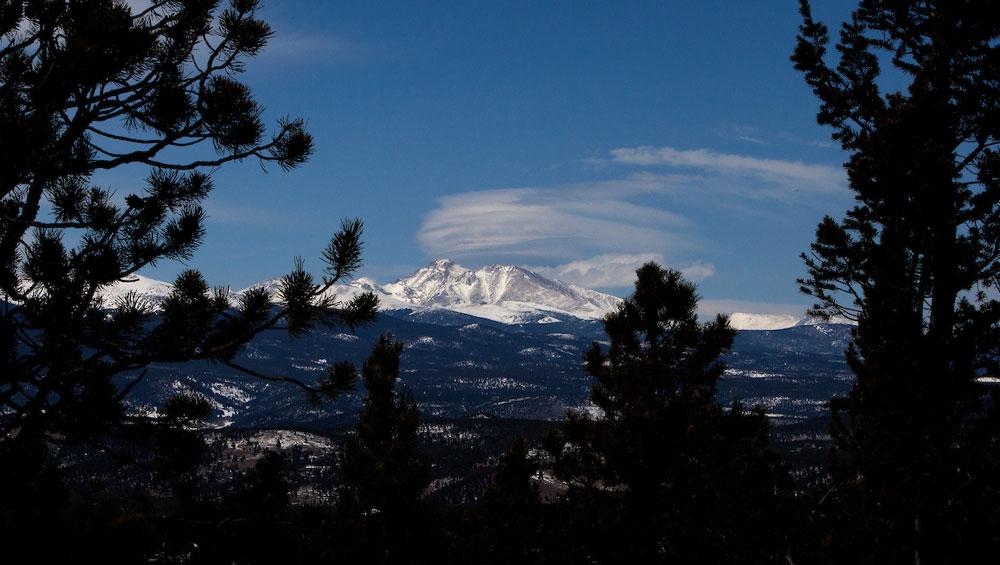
x: 500, y: 341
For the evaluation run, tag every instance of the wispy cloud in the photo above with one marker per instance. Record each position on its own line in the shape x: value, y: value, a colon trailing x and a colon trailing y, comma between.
x: 260, y: 217
x: 792, y: 138
x: 554, y: 223
x: 774, y: 175
x: 765, y: 137
x: 748, y: 134
x: 291, y: 46
x: 617, y: 270
x: 596, y: 234
x: 697, y: 271
x: 312, y: 48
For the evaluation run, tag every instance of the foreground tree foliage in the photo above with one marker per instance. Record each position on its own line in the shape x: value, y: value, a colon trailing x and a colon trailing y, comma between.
x: 89, y: 86
x: 381, y: 515
x: 915, y: 262
x: 514, y: 524
x: 664, y: 473
x: 509, y: 523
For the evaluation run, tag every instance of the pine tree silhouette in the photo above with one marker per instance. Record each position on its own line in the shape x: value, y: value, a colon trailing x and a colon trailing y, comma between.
x: 383, y: 476
x: 89, y: 86
x: 915, y: 263
x: 664, y: 473
x: 511, y: 519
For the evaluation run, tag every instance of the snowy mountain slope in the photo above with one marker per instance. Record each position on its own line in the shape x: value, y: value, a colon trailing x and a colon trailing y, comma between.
x: 500, y: 341
x: 747, y: 321
x: 152, y: 289
x: 500, y: 370
x: 501, y: 293
x: 341, y: 292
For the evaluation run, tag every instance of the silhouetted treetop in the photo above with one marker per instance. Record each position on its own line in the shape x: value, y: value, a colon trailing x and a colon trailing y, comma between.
x: 658, y: 471
x: 916, y: 262
x: 87, y: 85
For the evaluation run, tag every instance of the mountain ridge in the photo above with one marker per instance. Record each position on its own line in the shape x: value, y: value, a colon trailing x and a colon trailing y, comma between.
x: 507, y: 294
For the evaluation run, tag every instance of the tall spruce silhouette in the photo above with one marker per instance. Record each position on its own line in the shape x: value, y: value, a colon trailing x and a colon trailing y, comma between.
x: 915, y: 263
x: 383, y: 476
x: 664, y: 473
x: 510, y: 520
x: 89, y: 86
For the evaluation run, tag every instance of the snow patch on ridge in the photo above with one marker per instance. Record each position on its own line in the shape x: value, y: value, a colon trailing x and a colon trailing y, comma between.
x: 748, y: 321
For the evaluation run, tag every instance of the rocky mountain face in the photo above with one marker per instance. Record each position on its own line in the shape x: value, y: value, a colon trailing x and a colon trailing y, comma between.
x: 502, y: 293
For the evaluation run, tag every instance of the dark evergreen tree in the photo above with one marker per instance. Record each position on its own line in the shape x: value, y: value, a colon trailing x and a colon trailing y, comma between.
x: 254, y: 522
x: 915, y: 263
x: 176, y: 451
x: 89, y: 86
x: 664, y: 473
x: 383, y: 476
x: 511, y: 518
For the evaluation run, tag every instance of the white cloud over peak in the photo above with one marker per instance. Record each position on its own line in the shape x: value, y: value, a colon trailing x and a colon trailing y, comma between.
x: 697, y: 271
x: 617, y: 271
x: 601, y: 271
x: 617, y: 225
x: 772, y: 173
x: 553, y: 223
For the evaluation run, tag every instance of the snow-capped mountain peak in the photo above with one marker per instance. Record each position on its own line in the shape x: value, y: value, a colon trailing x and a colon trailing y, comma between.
x: 270, y: 285
x: 152, y: 289
x: 505, y: 293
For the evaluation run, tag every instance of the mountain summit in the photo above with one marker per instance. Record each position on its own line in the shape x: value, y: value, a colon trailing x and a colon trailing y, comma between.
x: 503, y: 293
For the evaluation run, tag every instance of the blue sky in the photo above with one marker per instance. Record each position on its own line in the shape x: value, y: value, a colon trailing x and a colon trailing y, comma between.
x: 575, y: 138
